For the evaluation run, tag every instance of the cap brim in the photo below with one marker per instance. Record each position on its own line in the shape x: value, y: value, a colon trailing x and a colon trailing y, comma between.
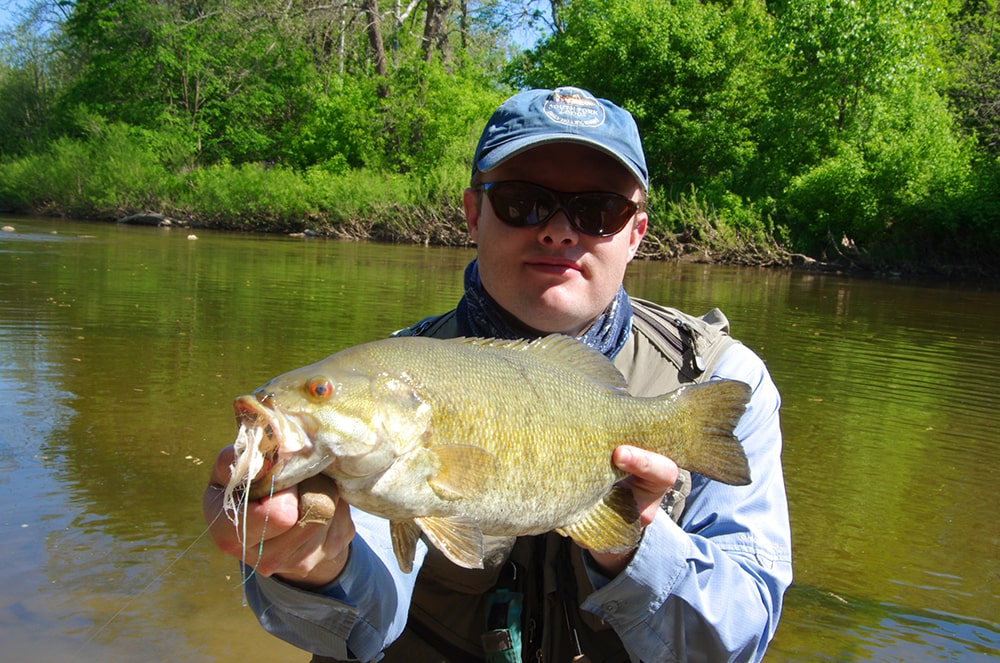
x: 515, y: 147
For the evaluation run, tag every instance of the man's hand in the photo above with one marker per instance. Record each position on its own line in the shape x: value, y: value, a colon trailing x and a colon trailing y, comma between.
x: 308, y: 555
x: 651, y: 476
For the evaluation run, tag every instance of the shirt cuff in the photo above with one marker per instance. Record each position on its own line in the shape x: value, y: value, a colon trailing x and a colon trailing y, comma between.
x: 324, y: 621
x: 301, y: 617
x: 623, y: 601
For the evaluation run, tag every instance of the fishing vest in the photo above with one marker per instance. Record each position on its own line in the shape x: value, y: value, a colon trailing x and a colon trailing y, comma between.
x: 524, y: 605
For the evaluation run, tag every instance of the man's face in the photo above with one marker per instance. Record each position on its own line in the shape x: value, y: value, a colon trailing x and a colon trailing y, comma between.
x: 551, y: 277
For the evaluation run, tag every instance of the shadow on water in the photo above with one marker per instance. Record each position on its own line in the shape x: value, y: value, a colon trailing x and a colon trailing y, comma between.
x: 121, y: 350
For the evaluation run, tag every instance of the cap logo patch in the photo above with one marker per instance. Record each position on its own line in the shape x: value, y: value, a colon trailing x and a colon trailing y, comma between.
x: 573, y: 107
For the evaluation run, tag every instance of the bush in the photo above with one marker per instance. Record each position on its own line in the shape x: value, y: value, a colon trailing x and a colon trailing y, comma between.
x: 107, y: 175
x: 249, y: 197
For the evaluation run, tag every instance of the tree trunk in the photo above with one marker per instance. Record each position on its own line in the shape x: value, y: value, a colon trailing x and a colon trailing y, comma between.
x: 378, y: 48
x: 435, y: 32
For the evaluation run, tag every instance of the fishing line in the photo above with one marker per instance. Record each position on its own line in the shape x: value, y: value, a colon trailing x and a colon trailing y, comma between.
x: 142, y: 592
x: 263, y: 529
x: 260, y: 547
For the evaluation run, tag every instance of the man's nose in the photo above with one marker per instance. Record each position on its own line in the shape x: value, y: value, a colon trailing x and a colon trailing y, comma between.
x: 558, y: 230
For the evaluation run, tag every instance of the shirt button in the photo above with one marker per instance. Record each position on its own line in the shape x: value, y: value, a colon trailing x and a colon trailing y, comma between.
x: 611, y: 607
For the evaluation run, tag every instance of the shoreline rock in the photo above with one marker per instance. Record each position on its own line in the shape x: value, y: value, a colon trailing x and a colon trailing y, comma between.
x: 149, y: 219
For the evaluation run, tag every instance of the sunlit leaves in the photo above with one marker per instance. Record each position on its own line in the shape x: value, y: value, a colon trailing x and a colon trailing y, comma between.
x: 691, y: 72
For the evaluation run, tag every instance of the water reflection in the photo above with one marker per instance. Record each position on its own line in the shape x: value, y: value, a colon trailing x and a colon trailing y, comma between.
x: 831, y: 627
x: 121, y: 350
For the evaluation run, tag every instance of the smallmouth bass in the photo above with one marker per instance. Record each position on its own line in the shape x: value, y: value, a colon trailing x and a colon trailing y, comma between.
x: 459, y: 438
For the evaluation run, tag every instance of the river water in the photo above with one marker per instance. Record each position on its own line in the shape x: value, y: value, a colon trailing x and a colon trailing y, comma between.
x: 122, y: 348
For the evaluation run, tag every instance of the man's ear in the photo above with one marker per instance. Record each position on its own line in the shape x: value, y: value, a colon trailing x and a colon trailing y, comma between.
x: 472, y: 204
x: 638, y: 230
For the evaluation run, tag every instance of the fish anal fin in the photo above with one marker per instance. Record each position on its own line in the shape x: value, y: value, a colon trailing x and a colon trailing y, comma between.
x: 612, y: 525
x: 458, y: 537
x: 463, y: 469
x: 404, y: 534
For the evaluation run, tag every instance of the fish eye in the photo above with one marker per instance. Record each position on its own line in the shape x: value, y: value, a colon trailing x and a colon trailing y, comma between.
x: 320, y: 388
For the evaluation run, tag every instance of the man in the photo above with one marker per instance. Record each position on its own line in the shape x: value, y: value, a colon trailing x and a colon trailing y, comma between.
x: 555, y: 207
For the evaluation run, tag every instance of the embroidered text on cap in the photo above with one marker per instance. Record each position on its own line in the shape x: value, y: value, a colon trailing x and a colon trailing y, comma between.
x: 574, y: 107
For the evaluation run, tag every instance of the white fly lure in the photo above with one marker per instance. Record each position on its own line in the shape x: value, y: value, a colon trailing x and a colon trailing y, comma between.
x: 247, y: 463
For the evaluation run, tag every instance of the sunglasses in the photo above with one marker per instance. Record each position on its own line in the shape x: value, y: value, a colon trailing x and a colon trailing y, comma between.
x: 521, y: 204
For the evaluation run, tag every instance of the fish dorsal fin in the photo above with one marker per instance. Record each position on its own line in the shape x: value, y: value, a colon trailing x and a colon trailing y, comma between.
x: 458, y: 537
x: 404, y: 534
x: 610, y: 526
x: 565, y: 353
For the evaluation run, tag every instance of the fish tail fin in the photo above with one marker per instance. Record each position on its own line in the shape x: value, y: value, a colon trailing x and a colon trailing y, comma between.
x: 712, y: 410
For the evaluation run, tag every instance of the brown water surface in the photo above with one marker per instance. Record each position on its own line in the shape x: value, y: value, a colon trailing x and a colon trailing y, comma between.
x: 122, y: 348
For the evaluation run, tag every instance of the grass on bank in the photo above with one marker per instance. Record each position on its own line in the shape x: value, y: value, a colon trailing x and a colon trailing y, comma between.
x: 114, y: 174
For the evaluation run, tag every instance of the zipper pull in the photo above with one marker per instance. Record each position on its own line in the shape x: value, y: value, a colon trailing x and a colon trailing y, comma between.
x: 699, y: 362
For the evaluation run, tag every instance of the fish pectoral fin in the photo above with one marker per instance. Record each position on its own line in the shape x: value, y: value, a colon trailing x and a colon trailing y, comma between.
x: 404, y: 534
x: 458, y: 537
x: 463, y: 469
x: 612, y: 525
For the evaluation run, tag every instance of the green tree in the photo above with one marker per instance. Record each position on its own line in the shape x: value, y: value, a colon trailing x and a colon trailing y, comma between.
x: 31, y: 76
x: 221, y: 76
x: 691, y: 72
x: 973, y: 61
x: 836, y: 56
x: 25, y: 102
x: 861, y: 144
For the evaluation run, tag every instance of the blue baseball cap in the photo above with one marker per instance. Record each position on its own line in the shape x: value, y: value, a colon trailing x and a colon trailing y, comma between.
x: 562, y: 115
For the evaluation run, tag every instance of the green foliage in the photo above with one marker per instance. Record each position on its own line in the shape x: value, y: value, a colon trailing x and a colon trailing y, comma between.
x: 691, y: 72
x: 250, y: 197
x: 174, y: 67
x: 338, y: 131
x: 29, y: 82
x: 828, y: 125
x: 826, y: 201
x: 861, y: 151
x: 21, y: 106
x: 732, y: 229
x: 973, y: 64
x: 108, y: 175
x: 435, y: 116
x: 838, y: 58
x: 882, y: 178
x: 431, y: 116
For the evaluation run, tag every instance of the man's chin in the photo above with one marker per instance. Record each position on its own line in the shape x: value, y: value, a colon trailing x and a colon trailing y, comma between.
x: 559, y: 320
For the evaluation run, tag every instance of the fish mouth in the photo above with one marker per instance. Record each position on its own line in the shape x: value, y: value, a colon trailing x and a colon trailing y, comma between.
x: 282, y: 435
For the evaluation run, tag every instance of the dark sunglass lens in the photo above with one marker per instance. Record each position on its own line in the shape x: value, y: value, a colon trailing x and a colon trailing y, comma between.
x: 602, y: 214
x: 520, y: 204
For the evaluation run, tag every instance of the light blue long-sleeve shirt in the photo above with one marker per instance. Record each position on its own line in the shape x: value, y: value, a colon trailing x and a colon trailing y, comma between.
x: 709, y: 589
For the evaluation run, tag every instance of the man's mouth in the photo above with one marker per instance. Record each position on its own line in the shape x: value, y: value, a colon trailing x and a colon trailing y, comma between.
x: 554, y: 265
